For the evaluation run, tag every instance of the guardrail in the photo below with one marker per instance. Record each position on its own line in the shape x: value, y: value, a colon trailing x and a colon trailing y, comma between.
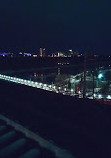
x: 59, y: 152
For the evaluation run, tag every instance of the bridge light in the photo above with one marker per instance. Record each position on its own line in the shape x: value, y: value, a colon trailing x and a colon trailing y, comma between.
x: 54, y: 87
x: 40, y: 84
x: 50, y: 86
x: 94, y: 95
x: 65, y: 89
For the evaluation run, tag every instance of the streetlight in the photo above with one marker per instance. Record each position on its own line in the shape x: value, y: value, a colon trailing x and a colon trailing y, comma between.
x: 100, y: 76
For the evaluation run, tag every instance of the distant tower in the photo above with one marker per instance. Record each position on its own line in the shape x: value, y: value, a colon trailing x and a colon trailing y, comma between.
x: 59, y: 71
x: 42, y: 78
x: 42, y: 52
x: 35, y: 75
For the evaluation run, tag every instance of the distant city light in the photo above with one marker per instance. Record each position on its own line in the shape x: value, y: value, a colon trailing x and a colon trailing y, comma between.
x: 27, y: 54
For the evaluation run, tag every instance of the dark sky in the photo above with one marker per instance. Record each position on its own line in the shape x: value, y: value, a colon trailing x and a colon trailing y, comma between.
x: 83, y: 25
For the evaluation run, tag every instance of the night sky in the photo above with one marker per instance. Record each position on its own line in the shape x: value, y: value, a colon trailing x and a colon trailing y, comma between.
x: 83, y: 25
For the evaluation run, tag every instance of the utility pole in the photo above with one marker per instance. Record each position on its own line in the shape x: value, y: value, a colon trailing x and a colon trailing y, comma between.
x: 93, y: 83
x: 84, y: 77
x: 93, y: 74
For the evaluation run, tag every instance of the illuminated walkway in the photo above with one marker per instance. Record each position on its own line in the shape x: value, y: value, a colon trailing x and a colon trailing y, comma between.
x: 30, y: 83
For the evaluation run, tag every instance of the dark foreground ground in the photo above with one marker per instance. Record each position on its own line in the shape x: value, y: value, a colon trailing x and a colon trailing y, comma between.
x: 81, y: 126
x: 15, y: 144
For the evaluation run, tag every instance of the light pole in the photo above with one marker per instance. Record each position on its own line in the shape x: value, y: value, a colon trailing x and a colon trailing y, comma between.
x: 100, y: 76
x: 93, y: 84
x: 84, y: 78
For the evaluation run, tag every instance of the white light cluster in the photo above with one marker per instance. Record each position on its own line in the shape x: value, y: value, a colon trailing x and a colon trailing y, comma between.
x: 109, y: 97
x: 27, y: 82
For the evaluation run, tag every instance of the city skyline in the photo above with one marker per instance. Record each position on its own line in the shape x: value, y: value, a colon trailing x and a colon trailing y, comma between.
x: 55, y: 25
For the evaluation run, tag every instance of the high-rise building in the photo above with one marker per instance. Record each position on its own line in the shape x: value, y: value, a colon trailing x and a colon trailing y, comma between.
x: 42, y: 52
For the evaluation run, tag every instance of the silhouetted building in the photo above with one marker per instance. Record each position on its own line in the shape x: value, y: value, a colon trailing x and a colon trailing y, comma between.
x: 42, y: 52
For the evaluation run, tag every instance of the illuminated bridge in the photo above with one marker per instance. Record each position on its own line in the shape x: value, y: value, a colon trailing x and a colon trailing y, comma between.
x: 31, y: 83
x: 28, y: 83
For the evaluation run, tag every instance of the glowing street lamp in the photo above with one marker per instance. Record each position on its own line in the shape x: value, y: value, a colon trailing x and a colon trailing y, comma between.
x: 109, y: 97
x: 100, y: 76
x: 99, y: 96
